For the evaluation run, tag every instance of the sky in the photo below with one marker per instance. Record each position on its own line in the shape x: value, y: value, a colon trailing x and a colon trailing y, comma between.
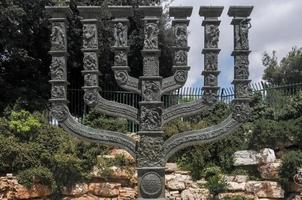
x: 276, y: 25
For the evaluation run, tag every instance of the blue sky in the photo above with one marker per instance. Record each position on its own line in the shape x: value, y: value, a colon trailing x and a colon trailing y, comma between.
x: 276, y: 26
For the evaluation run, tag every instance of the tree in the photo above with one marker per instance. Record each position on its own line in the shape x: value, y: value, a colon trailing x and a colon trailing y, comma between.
x: 288, y: 70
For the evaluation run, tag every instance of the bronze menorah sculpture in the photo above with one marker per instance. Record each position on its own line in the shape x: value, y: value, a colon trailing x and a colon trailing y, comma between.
x: 151, y: 152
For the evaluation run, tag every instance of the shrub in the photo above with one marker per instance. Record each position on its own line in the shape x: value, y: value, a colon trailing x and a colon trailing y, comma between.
x: 39, y: 175
x: 100, y: 121
x: 290, y: 163
x: 42, y: 150
x: 236, y: 198
x: 216, y: 185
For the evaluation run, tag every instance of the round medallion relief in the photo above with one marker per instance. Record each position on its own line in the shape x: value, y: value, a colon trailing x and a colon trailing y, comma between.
x: 151, y: 184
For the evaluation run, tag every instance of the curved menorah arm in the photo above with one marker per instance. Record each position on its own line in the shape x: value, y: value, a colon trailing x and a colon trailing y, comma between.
x: 176, y: 81
x: 98, y: 136
x: 94, y: 100
x: 187, y: 109
x: 190, y: 138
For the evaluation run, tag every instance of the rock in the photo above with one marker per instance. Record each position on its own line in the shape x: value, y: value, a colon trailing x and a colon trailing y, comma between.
x: 122, y: 153
x: 195, y: 194
x: 237, y: 194
x: 84, y: 197
x: 270, y: 171
x: 296, y: 197
x: 265, y: 189
x: 247, y: 157
x: 107, y: 190
x: 37, y: 191
x: 76, y: 191
x: 266, y: 156
x: 171, y: 167
x: 177, y: 181
x: 295, y: 188
x: 236, y: 183
x: 127, y: 194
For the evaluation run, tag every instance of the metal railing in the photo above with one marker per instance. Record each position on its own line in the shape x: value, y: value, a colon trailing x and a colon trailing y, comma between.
x: 273, y: 95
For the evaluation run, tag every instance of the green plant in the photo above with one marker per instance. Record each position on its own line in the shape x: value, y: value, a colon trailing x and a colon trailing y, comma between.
x: 100, y: 121
x: 39, y: 175
x: 290, y: 163
x: 216, y: 185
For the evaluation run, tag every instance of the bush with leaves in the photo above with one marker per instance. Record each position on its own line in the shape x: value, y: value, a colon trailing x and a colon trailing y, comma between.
x: 40, y: 153
x: 290, y: 164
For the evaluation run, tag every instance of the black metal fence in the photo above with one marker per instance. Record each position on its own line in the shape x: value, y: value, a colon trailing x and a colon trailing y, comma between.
x: 273, y: 95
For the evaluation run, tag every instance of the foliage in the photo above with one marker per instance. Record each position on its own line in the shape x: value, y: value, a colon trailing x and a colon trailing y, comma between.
x: 216, y: 185
x: 289, y: 70
x: 39, y: 175
x: 42, y: 153
x: 290, y: 164
x: 100, y: 121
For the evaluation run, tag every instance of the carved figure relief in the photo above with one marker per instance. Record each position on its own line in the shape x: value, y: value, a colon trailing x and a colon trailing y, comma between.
x: 90, y: 40
x: 58, y: 36
x: 90, y: 97
x: 151, y: 90
x: 150, y: 151
x: 120, y: 58
x: 209, y: 97
x: 58, y: 92
x: 120, y: 34
x: 242, y: 41
x: 181, y: 76
x: 90, y: 61
x: 181, y: 57
x: 150, y: 118
x: 243, y: 91
x: 90, y: 80
x: 151, y: 66
x: 241, y: 111
x: 211, y: 80
x: 241, y: 67
x: 212, y: 36
x: 181, y: 39
x: 121, y: 77
x: 57, y: 68
x: 151, y: 36
x: 59, y: 111
x: 211, y: 61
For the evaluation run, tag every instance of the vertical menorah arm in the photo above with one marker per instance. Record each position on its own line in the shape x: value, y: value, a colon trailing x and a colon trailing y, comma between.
x: 91, y: 72
x: 180, y: 47
x: 59, y: 103
x: 120, y: 15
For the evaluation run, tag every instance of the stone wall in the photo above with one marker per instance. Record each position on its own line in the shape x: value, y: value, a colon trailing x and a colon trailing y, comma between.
x: 121, y: 185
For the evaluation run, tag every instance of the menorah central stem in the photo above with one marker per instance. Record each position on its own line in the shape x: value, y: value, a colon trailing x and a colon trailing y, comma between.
x: 150, y: 152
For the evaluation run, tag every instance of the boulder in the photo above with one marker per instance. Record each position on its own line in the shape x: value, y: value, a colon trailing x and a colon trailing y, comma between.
x: 178, y: 181
x: 246, y: 157
x: 76, y: 191
x: 265, y: 189
x: 107, y: 190
x: 266, y: 156
x: 127, y: 193
x: 236, y: 183
x: 270, y: 171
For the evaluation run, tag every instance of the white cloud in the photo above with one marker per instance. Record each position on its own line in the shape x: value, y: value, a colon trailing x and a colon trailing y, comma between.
x: 276, y: 26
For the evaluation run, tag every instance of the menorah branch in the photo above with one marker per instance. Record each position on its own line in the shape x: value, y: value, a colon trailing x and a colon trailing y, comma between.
x: 191, y: 138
